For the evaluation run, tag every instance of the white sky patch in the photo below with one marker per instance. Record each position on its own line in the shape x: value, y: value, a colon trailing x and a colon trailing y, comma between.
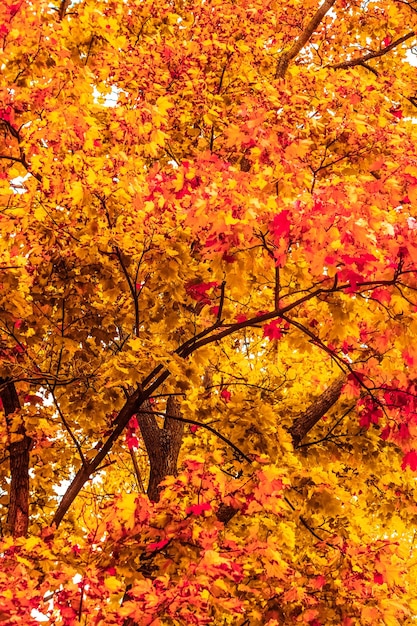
x: 107, y: 100
x: 17, y: 185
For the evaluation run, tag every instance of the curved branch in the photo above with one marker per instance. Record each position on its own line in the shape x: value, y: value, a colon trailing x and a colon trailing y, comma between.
x: 372, y: 55
x: 207, y: 427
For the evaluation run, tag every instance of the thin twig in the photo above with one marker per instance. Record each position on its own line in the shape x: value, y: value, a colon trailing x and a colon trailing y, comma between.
x: 207, y: 427
x: 67, y: 426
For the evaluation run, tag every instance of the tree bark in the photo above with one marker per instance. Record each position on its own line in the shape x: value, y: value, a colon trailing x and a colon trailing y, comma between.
x: 19, y: 446
x: 317, y: 409
x: 162, y: 444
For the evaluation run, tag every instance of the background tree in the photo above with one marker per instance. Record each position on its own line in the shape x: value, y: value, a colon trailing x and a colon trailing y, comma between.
x: 208, y: 312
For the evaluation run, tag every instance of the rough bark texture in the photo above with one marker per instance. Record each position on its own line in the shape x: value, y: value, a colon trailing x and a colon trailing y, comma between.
x: 18, y: 513
x: 317, y: 409
x: 162, y: 444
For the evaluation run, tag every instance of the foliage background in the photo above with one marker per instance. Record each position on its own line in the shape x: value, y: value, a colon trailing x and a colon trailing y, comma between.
x: 207, y: 312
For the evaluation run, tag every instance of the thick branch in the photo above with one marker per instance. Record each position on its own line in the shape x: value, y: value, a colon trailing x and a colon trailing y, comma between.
x: 317, y: 409
x: 63, y: 9
x: 372, y: 55
x: 130, y: 407
x: 305, y: 36
x: 19, y: 446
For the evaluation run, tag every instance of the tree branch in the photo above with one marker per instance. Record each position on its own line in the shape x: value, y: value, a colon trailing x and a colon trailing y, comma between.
x: 372, y: 55
x: 317, y: 409
x: 285, y: 58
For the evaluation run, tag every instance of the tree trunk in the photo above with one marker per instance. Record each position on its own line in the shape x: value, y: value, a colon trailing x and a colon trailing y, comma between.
x: 162, y: 444
x: 163, y: 447
x: 19, y: 446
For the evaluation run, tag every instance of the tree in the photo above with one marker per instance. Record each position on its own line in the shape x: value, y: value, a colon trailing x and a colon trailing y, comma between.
x: 208, y: 312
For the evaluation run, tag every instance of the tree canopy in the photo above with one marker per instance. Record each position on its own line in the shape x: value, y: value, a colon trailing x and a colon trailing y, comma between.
x: 208, y: 297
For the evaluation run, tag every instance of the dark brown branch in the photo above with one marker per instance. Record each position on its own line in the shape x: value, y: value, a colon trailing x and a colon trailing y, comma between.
x: 277, y: 288
x: 162, y: 444
x: 130, y: 407
x: 132, y: 288
x: 15, y: 133
x: 317, y: 409
x: 157, y: 446
x: 63, y: 9
x: 221, y: 303
x: 174, y: 426
x: 305, y: 36
x: 372, y: 55
x: 329, y: 435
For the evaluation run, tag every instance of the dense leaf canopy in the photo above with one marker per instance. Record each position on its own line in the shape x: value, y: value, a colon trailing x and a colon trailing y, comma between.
x: 208, y: 297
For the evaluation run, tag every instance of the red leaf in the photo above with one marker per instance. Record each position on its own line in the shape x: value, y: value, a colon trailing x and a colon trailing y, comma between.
x: 199, y: 291
x: 132, y: 442
x: 403, y: 433
x: 410, y: 460
x: 382, y: 294
x: 280, y: 225
x: 133, y: 422
x: 396, y: 113
x: 273, y: 330
x: 226, y: 395
x: 197, y: 509
x: 385, y: 433
x: 32, y: 399
x: 157, y: 545
x: 318, y: 582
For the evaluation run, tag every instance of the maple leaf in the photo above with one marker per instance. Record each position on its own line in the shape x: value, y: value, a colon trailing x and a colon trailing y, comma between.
x: 226, y: 395
x: 198, y: 509
x: 410, y: 460
x: 274, y: 330
x: 280, y: 225
x: 198, y: 291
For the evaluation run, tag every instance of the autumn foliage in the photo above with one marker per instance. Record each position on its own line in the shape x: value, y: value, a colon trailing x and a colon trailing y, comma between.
x: 208, y: 298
